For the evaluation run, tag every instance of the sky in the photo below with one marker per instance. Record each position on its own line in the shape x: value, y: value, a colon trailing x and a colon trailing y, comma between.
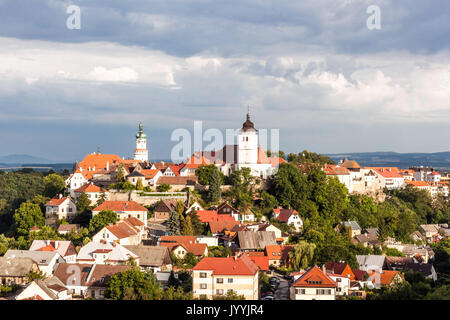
x: 312, y: 69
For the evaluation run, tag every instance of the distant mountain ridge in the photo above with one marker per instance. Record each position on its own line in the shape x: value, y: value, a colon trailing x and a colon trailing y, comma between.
x: 394, y: 159
x: 27, y: 159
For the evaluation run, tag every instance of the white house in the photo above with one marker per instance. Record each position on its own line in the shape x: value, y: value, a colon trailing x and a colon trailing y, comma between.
x: 48, y: 289
x: 46, y: 261
x: 129, y: 231
x: 124, y: 209
x: 66, y: 249
x: 60, y: 208
x: 288, y: 216
x: 92, y: 191
x: 105, y: 253
x: 314, y: 284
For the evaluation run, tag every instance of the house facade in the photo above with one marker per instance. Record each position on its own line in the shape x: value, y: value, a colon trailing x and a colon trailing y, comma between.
x: 216, y: 276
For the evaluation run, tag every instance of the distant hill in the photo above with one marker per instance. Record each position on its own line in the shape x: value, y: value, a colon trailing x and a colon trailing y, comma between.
x: 394, y: 159
x: 23, y: 159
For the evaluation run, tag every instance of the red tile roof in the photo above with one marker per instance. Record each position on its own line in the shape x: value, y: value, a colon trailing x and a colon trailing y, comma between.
x: 261, y: 261
x: 284, y: 214
x: 88, y: 187
x: 220, y: 225
x: 418, y: 183
x: 179, y: 239
x: 279, y: 252
x: 56, y: 201
x: 315, y: 278
x: 228, y: 266
x: 387, y: 172
x: 120, y: 206
x: 197, y: 249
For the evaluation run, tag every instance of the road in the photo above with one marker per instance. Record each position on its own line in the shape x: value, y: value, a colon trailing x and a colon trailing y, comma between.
x: 282, y: 292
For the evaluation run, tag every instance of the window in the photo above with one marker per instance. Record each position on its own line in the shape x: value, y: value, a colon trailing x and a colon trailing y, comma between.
x: 230, y: 280
x: 338, y: 279
x: 219, y: 291
x: 203, y: 286
x: 300, y: 291
x: 202, y: 274
x: 219, y: 280
x: 70, y: 209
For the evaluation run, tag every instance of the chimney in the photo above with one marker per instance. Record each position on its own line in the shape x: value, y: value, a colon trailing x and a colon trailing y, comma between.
x: 324, y: 270
x: 89, y: 168
x: 47, y: 242
x: 162, y: 163
x: 60, y: 196
x: 107, y: 165
x: 93, y: 169
x: 56, y: 244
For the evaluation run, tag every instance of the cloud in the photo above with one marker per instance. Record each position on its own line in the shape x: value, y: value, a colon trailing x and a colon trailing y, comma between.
x: 311, y: 69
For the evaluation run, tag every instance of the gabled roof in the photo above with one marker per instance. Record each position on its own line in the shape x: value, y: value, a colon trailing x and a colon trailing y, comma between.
x: 42, y: 258
x: 279, y: 252
x: 284, y: 214
x: 315, y: 278
x: 57, y: 201
x: 64, y: 248
x: 386, y: 276
x: 120, y: 206
x: 255, y: 240
x: 88, y: 188
x: 115, y: 252
x: 218, y: 226
x: 96, y: 275
x: 18, y: 267
x: 228, y: 266
x: 387, y: 172
x: 154, y: 256
x: 197, y: 249
x: 166, y: 205
x: 122, y: 229
x: 335, y: 267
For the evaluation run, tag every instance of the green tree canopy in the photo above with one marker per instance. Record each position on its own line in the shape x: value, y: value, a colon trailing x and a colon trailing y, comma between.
x: 54, y: 184
x: 102, y: 219
x: 28, y: 215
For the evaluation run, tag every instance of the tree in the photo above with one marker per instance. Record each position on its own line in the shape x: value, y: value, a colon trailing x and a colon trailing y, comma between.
x: 35, y: 275
x: 120, y: 173
x: 28, y: 215
x: 133, y: 284
x: 214, y: 192
x: 102, y: 219
x: 102, y: 197
x: 54, y: 184
x: 187, y: 229
x: 163, y: 187
x: 197, y: 225
x: 173, y: 224
x: 139, y: 185
x: 204, y: 174
x: 231, y: 295
x: 83, y: 203
x: 302, y: 255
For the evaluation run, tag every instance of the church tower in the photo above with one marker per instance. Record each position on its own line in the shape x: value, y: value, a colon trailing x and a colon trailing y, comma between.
x: 141, y: 152
x: 247, y: 143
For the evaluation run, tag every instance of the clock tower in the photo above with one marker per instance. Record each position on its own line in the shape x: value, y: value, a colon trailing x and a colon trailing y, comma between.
x: 141, y: 152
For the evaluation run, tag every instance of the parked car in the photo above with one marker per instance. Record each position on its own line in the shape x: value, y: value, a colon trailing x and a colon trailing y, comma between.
x: 268, y: 298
